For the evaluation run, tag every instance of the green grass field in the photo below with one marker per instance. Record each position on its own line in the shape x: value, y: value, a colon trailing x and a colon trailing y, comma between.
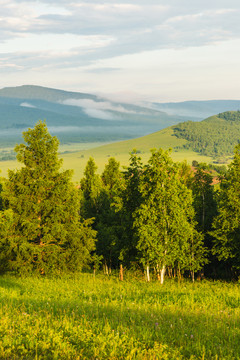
x: 80, y: 317
x: 79, y: 154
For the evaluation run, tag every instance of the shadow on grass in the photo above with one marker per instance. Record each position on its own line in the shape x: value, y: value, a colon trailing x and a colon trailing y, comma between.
x: 8, y: 283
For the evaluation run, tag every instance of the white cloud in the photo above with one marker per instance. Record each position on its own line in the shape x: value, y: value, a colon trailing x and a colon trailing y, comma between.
x: 54, y: 42
x: 99, y: 109
x: 25, y: 104
x: 61, y: 42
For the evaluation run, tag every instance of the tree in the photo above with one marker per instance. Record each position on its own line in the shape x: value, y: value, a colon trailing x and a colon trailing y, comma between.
x: 165, y: 219
x: 100, y: 196
x: 203, y: 193
x: 226, y: 224
x: 91, y: 186
x: 111, y: 175
x: 131, y: 200
x: 46, y: 232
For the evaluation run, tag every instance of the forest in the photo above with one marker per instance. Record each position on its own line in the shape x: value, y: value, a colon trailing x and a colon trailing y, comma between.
x: 163, y: 219
x: 215, y: 136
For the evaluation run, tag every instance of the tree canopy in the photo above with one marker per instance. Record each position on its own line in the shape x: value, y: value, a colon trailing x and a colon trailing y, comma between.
x: 45, y: 233
x: 165, y: 219
x: 227, y: 223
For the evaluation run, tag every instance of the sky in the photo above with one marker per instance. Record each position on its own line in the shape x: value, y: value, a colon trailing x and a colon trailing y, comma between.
x: 128, y: 50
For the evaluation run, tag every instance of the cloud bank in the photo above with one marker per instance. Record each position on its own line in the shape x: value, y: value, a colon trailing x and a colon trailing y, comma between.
x: 46, y: 39
x: 87, y: 31
x: 100, y: 109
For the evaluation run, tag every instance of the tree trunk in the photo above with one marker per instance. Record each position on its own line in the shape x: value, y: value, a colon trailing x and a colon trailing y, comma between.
x: 105, y: 268
x: 170, y: 272
x: 203, y: 211
x: 121, y: 273
x: 147, y: 274
x: 162, y: 273
x: 158, y: 273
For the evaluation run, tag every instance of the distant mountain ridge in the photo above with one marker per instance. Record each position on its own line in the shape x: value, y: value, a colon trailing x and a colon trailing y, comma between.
x: 82, y: 117
x: 43, y: 93
x: 75, y: 117
x: 200, y: 109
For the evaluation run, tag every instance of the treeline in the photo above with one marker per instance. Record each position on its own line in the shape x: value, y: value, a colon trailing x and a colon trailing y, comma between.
x: 216, y: 136
x: 164, y: 218
x: 6, y: 155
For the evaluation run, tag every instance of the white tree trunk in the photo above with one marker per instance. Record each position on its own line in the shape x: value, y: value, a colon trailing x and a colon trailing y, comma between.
x: 162, y: 273
x: 147, y: 274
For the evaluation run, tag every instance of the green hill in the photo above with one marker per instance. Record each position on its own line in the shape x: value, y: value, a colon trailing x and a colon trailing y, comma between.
x: 120, y: 150
x: 77, y: 160
x: 211, y: 140
x: 215, y: 136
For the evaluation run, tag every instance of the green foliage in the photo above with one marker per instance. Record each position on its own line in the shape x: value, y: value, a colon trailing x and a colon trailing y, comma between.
x: 226, y: 224
x: 131, y: 200
x: 44, y: 232
x: 90, y: 185
x: 165, y: 219
x: 111, y: 175
x: 215, y: 136
x: 101, y: 196
x: 203, y: 195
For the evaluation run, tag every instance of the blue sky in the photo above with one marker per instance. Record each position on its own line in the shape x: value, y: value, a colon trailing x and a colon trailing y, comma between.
x: 155, y: 50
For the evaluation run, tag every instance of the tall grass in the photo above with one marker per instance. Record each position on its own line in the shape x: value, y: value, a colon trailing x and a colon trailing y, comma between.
x: 80, y: 317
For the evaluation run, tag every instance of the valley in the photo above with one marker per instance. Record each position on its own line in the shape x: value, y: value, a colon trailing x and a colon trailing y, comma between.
x: 87, y: 125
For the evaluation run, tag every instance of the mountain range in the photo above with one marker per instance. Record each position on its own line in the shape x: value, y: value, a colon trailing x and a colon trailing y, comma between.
x: 75, y: 117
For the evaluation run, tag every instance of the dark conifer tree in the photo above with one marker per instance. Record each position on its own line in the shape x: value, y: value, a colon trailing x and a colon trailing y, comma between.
x: 131, y: 200
x: 100, y: 199
x: 46, y: 234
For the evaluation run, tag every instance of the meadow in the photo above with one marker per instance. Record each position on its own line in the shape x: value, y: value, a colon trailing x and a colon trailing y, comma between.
x: 76, y: 155
x: 86, y: 317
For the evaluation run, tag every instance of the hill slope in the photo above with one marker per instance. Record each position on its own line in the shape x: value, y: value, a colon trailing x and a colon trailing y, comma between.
x: 120, y: 150
x: 189, y: 141
x: 215, y: 136
x: 211, y: 140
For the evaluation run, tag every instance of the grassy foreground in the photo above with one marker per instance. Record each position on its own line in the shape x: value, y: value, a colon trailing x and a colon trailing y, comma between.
x: 85, y: 318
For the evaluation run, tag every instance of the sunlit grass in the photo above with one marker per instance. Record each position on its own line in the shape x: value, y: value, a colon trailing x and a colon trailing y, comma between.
x: 85, y: 318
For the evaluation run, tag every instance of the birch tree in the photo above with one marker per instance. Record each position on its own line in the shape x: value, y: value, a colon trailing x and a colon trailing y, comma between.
x: 165, y: 219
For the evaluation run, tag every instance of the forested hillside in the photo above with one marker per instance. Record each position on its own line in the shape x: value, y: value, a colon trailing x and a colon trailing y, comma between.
x: 215, y: 136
